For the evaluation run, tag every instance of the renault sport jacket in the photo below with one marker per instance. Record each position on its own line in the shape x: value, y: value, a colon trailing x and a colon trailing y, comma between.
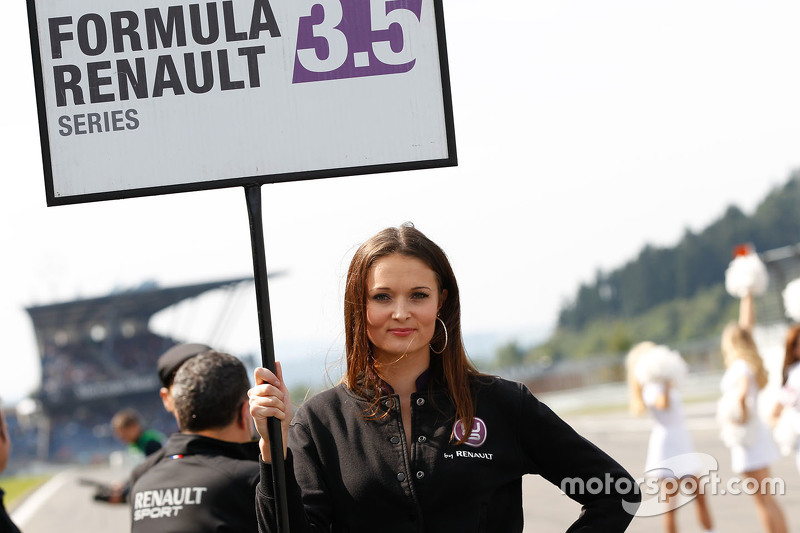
x: 200, y: 484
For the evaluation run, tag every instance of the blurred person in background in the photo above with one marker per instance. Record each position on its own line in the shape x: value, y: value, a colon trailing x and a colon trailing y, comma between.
x: 653, y: 373
x: 6, y: 525
x: 128, y: 427
x: 743, y: 432
x: 168, y: 364
x: 788, y: 404
x: 206, y: 477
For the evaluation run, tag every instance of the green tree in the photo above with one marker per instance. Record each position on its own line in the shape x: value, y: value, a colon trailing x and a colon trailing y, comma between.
x: 696, y: 263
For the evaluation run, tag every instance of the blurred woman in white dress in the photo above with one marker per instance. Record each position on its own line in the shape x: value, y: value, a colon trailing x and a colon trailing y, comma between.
x: 746, y: 435
x: 786, y: 413
x: 787, y: 408
x: 654, y: 373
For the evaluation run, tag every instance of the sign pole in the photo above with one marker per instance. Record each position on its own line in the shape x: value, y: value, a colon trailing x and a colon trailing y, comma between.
x: 254, y: 214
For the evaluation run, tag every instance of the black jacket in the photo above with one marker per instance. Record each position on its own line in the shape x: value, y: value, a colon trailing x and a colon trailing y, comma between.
x: 6, y: 525
x: 199, y: 484
x: 346, y: 473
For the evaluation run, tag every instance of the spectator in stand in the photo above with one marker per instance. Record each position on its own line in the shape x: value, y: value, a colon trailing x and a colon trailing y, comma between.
x: 6, y: 525
x: 206, y: 478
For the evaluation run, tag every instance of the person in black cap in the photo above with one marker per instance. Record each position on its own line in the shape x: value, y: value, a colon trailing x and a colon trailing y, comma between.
x: 206, y: 479
x: 167, y: 365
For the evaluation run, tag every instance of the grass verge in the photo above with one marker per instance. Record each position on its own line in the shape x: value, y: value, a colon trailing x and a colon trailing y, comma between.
x: 16, y: 488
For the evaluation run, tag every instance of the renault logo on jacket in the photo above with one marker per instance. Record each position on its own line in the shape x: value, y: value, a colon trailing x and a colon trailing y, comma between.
x: 476, y: 437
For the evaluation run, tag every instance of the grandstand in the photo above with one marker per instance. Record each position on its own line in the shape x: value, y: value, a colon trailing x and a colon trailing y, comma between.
x: 98, y: 355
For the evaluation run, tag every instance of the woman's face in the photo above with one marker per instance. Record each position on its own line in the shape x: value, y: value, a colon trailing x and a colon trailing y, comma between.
x: 402, y: 302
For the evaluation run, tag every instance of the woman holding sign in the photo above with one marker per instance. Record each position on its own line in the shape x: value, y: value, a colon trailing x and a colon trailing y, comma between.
x: 414, y: 438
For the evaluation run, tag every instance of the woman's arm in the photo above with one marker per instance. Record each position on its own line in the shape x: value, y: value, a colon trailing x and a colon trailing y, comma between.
x: 574, y: 465
x: 741, y: 397
x: 270, y: 398
x: 747, y: 313
x: 309, y: 508
x: 266, y: 505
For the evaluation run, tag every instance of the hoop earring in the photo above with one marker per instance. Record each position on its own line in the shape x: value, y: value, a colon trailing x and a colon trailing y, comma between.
x: 445, y: 338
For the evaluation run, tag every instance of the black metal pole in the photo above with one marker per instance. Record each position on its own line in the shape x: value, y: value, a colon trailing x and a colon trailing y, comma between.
x: 253, y: 196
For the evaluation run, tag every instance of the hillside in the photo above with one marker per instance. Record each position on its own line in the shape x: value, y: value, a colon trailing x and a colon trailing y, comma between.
x: 668, y: 294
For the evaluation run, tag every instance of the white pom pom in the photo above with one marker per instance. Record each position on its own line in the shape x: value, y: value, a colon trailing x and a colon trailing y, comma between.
x: 791, y: 300
x: 660, y: 364
x: 746, y: 275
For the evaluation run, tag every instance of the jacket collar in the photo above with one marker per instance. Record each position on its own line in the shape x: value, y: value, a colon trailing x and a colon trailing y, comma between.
x: 422, y: 383
x: 182, y: 444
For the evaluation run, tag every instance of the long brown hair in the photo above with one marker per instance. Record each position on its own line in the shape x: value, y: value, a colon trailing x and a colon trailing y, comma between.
x: 361, y: 375
x: 792, y: 338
